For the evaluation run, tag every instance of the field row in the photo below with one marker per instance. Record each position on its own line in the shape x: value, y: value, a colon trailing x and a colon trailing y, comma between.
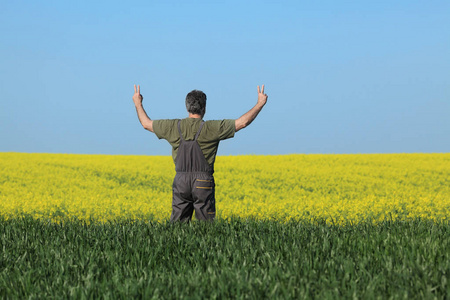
x: 338, y: 188
x: 234, y: 259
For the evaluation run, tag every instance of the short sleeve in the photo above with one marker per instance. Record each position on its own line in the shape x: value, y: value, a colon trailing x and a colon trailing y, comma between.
x: 164, y: 129
x: 227, y: 129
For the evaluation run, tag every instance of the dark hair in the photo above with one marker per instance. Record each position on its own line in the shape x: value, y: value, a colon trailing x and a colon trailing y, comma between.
x: 196, y: 102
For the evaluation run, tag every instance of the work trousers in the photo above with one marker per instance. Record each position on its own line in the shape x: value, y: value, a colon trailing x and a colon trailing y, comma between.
x: 193, y: 191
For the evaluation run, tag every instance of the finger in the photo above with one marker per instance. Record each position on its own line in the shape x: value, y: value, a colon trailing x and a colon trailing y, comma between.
x: 139, y: 89
x: 135, y: 89
x: 262, y: 89
x: 258, y: 90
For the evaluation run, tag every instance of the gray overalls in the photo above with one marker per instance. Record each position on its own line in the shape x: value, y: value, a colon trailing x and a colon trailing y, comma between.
x: 193, y: 186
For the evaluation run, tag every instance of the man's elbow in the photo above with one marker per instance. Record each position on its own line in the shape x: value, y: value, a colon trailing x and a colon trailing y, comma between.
x: 148, y: 126
x: 240, y: 124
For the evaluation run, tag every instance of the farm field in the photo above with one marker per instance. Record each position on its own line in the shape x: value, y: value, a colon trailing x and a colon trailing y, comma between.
x: 229, y: 259
x: 289, y: 226
x: 343, y: 189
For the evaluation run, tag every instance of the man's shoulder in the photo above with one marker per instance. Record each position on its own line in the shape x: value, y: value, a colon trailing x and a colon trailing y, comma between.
x: 166, y: 122
x: 218, y: 122
x: 221, y: 129
x: 163, y: 128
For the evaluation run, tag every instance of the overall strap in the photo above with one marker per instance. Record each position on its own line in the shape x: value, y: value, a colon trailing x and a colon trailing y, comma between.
x: 179, y: 130
x: 198, y: 132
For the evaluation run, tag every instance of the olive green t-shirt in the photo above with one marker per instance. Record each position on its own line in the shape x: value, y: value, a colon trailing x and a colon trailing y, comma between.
x: 210, y: 136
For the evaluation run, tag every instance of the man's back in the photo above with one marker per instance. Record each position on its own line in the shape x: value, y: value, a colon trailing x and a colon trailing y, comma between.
x: 211, y: 134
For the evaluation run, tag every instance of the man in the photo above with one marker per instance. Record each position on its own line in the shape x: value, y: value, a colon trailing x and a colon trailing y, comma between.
x: 194, y: 147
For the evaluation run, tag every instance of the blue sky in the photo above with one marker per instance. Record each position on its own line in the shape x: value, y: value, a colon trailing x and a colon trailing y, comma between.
x: 342, y: 76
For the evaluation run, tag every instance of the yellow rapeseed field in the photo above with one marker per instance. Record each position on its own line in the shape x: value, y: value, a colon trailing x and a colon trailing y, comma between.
x: 339, y: 188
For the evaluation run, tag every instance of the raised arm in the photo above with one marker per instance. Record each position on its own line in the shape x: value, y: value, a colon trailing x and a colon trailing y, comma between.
x: 247, y: 118
x: 146, y: 122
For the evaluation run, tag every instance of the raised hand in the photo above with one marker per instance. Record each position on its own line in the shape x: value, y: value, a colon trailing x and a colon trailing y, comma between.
x: 262, y: 98
x: 137, y: 97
